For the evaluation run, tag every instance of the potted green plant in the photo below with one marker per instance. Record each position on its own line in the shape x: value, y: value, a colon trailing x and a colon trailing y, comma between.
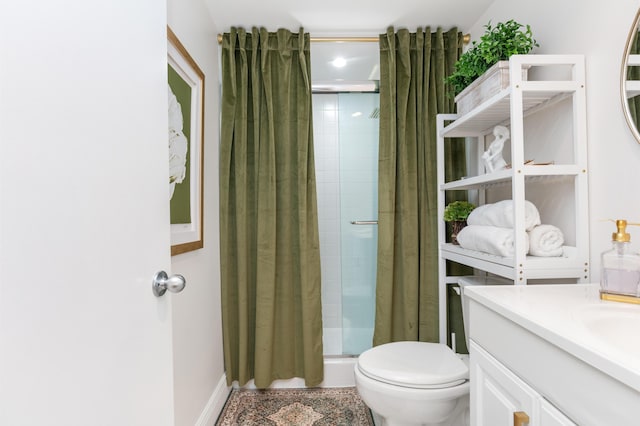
x: 488, y: 58
x: 456, y: 213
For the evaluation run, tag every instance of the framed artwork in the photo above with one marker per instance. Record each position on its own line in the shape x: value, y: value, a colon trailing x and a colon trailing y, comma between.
x: 186, y: 136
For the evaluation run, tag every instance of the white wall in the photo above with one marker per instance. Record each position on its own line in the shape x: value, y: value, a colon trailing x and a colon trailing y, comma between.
x: 200, y: 384
x: 598, y: 29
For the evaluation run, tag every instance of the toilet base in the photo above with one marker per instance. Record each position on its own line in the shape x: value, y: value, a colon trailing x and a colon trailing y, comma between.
x: 401, y: 406
x: 459, y: 417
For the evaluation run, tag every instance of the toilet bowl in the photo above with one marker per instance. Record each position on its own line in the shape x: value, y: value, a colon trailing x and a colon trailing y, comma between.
x: 412, y: 383
x: 415, y: 383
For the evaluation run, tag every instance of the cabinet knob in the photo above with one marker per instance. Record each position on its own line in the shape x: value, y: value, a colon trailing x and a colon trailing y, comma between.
x: 520, y: 418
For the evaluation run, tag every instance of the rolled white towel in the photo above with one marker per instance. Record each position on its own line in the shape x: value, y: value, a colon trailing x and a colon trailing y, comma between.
x: 500, y: 214
x: 489, y: 239
x: 546, y: 241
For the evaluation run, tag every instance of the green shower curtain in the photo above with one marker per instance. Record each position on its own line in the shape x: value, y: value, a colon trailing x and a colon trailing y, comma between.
x: 413, y: 67
x: 270, y: 256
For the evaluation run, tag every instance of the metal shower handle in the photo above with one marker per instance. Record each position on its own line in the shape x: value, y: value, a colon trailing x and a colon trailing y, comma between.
x: 364, y: 222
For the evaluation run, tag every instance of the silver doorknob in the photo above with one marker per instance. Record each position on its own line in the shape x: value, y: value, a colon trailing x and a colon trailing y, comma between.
x: 162, y: 283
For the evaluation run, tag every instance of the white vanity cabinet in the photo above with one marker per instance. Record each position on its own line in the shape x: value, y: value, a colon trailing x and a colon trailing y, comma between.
x: 546, y: 116
x: 500, y: 398
x: 550, y: 353
x: 551, y: 416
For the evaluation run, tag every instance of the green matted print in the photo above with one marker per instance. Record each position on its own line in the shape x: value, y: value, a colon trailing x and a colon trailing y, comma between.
x: 186, y: 147
x: 181, y: 198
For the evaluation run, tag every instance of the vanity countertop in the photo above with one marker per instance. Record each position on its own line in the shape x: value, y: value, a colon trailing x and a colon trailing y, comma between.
x: 603, y: 334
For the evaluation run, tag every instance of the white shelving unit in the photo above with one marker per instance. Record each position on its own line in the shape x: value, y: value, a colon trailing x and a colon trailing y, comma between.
x: 557, y: 78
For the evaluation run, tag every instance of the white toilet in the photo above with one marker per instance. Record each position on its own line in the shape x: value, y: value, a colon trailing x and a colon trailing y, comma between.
x: 415, y: 383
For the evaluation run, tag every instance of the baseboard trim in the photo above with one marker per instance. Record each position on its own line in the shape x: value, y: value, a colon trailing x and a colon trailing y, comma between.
x: 215, y: 404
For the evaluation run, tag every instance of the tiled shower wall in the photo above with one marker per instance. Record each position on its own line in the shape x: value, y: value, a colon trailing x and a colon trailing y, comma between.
x: 327, y: 158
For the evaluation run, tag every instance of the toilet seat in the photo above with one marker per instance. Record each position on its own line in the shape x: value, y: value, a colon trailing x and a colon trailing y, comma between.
x: 418, y: 365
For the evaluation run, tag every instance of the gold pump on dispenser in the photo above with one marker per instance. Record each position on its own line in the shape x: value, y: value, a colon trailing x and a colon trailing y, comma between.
x: 621, y: 236
x: 620, y: 277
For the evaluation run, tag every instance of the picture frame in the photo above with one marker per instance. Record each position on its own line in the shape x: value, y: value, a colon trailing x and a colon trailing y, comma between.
x: 186, y: 147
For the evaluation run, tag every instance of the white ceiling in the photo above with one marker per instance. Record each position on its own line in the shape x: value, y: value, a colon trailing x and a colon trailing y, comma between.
x: 345, y: 18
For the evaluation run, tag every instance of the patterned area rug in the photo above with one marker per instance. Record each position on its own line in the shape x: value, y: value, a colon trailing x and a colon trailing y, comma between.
x: 295, y: 407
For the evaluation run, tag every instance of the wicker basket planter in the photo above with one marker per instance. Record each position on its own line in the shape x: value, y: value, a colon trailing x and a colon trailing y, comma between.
x: 456, y: 227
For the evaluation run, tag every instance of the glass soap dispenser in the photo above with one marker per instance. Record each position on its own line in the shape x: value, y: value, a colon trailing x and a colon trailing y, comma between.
x: 621, y: 268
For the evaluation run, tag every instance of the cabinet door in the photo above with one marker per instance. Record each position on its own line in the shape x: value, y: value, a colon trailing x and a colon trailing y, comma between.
x: 497, y: 395
x: 551, y: 416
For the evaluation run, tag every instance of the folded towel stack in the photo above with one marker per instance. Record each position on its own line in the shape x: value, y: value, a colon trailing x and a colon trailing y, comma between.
x: 546, y: 241
x: 488, y: 239
x: 500, y: 214
x: 490, y: 230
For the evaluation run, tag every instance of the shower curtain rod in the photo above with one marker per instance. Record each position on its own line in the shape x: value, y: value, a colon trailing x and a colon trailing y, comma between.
x: 465, y: 39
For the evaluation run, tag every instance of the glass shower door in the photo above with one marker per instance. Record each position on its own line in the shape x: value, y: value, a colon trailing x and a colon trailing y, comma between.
x: 358, y: 156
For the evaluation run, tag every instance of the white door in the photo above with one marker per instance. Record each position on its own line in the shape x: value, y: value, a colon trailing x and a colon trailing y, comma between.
x: 84, y: 214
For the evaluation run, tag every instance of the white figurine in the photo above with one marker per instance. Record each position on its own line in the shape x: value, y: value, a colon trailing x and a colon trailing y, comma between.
x: 492, y: 158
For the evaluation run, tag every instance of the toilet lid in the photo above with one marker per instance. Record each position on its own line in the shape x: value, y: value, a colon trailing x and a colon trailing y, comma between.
x: 414, y: 364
